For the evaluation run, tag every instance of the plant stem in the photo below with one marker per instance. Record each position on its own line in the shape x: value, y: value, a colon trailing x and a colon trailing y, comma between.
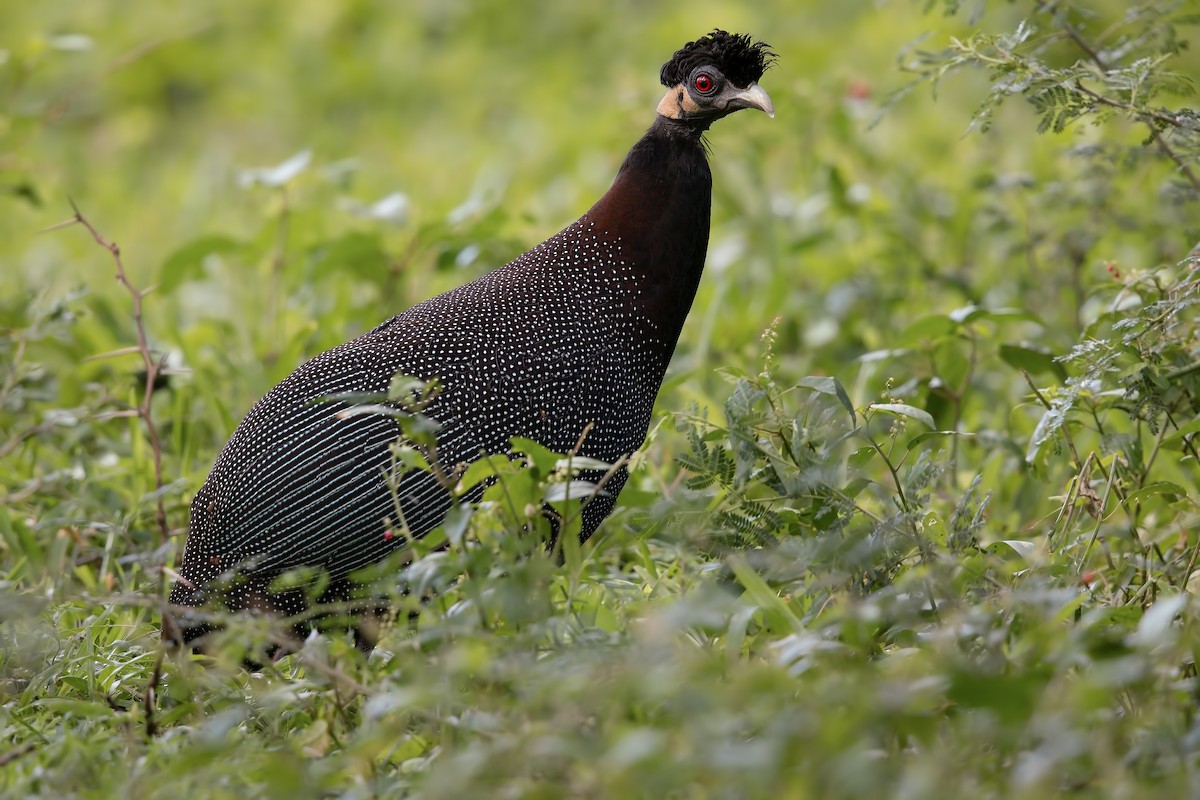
x: 151, y: 366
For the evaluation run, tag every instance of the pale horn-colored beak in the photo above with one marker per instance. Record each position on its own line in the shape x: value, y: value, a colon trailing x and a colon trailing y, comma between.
x: 754, y: 96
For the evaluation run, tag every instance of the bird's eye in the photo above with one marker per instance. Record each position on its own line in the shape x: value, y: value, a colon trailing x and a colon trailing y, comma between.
x: 704, y: 84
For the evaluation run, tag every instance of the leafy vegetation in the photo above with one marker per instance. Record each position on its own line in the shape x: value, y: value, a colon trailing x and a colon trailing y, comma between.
x: 918, y: 516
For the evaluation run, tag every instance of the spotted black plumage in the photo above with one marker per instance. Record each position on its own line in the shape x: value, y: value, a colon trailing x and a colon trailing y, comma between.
x: 576, y: 332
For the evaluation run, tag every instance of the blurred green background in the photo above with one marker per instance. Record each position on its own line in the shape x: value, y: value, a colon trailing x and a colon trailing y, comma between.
x: 288, y: 175
x: 516, y: 115
x: 492, y: 125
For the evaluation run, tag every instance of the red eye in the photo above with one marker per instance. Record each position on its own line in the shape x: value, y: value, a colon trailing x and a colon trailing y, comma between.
x: 704, y: 84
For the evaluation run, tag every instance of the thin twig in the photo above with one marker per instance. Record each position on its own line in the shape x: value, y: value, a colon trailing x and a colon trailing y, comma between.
x: 888, y: 463
x: 612, y: 471
x: 1081, y: 479
x: 1049, y: 407
x: 1148, y: 116
x: 1108, y: 487
x: 149, y: 698
x: 149, y: 363
x: 13, y: 755
x: 144, y: 411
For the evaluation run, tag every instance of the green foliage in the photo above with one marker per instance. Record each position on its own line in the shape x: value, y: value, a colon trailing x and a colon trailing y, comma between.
x: 934, y: 534
x: 1067, y: 73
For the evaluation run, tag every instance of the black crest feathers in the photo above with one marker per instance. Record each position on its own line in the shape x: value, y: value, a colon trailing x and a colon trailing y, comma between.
x: 739, y: 58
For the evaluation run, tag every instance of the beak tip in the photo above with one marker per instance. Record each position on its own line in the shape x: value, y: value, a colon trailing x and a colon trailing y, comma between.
x: 754, y: 96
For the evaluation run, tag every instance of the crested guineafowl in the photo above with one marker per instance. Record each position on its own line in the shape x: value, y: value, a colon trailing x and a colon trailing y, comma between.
x: 575, y: 334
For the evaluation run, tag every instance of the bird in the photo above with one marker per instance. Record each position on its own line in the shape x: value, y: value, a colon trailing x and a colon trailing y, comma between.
x: 566, y: 345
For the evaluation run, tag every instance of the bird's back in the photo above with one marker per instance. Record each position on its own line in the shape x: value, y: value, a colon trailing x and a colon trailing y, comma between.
x: 541, y: 348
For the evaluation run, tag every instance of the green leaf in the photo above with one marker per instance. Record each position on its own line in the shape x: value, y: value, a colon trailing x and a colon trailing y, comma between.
x: 904, y: 410
x: 779, y: 613
x: 79, y: 684
x: 951, y: 362
x: 924, y: 329
x: 1175, y: 440
x: 967, y: 314
x: 1024, y: 549
x: 927, y: 435
x: 1015, y: 314
x: 1011, y: 697
x: 581, y: 462
x: 485, y: 469
x: 24, y: 189
x: 830, y: 386
x: 1033, y: 358
x: 458, y: 517
x: 64, y: 706
x: 1157, y: 624
x: 861, y: 457
x: 411, y: 458
x: 1171, y: 491
x: 406, y: 390
x: 543, y: 458
x: 571, y: 492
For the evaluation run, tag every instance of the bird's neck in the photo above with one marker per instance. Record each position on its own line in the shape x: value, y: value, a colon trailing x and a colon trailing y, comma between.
x: 659, y: 207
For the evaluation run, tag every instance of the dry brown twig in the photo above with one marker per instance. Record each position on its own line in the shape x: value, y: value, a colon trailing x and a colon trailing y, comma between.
x: 13, y: 755
x: 151, y: 365
x: 153, y: 369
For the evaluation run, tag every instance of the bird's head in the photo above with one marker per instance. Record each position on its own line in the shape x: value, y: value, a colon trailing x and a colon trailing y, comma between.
x: 714, y: 76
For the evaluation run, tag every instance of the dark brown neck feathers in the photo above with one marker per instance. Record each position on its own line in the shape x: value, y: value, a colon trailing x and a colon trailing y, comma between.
x: 659, y: 205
